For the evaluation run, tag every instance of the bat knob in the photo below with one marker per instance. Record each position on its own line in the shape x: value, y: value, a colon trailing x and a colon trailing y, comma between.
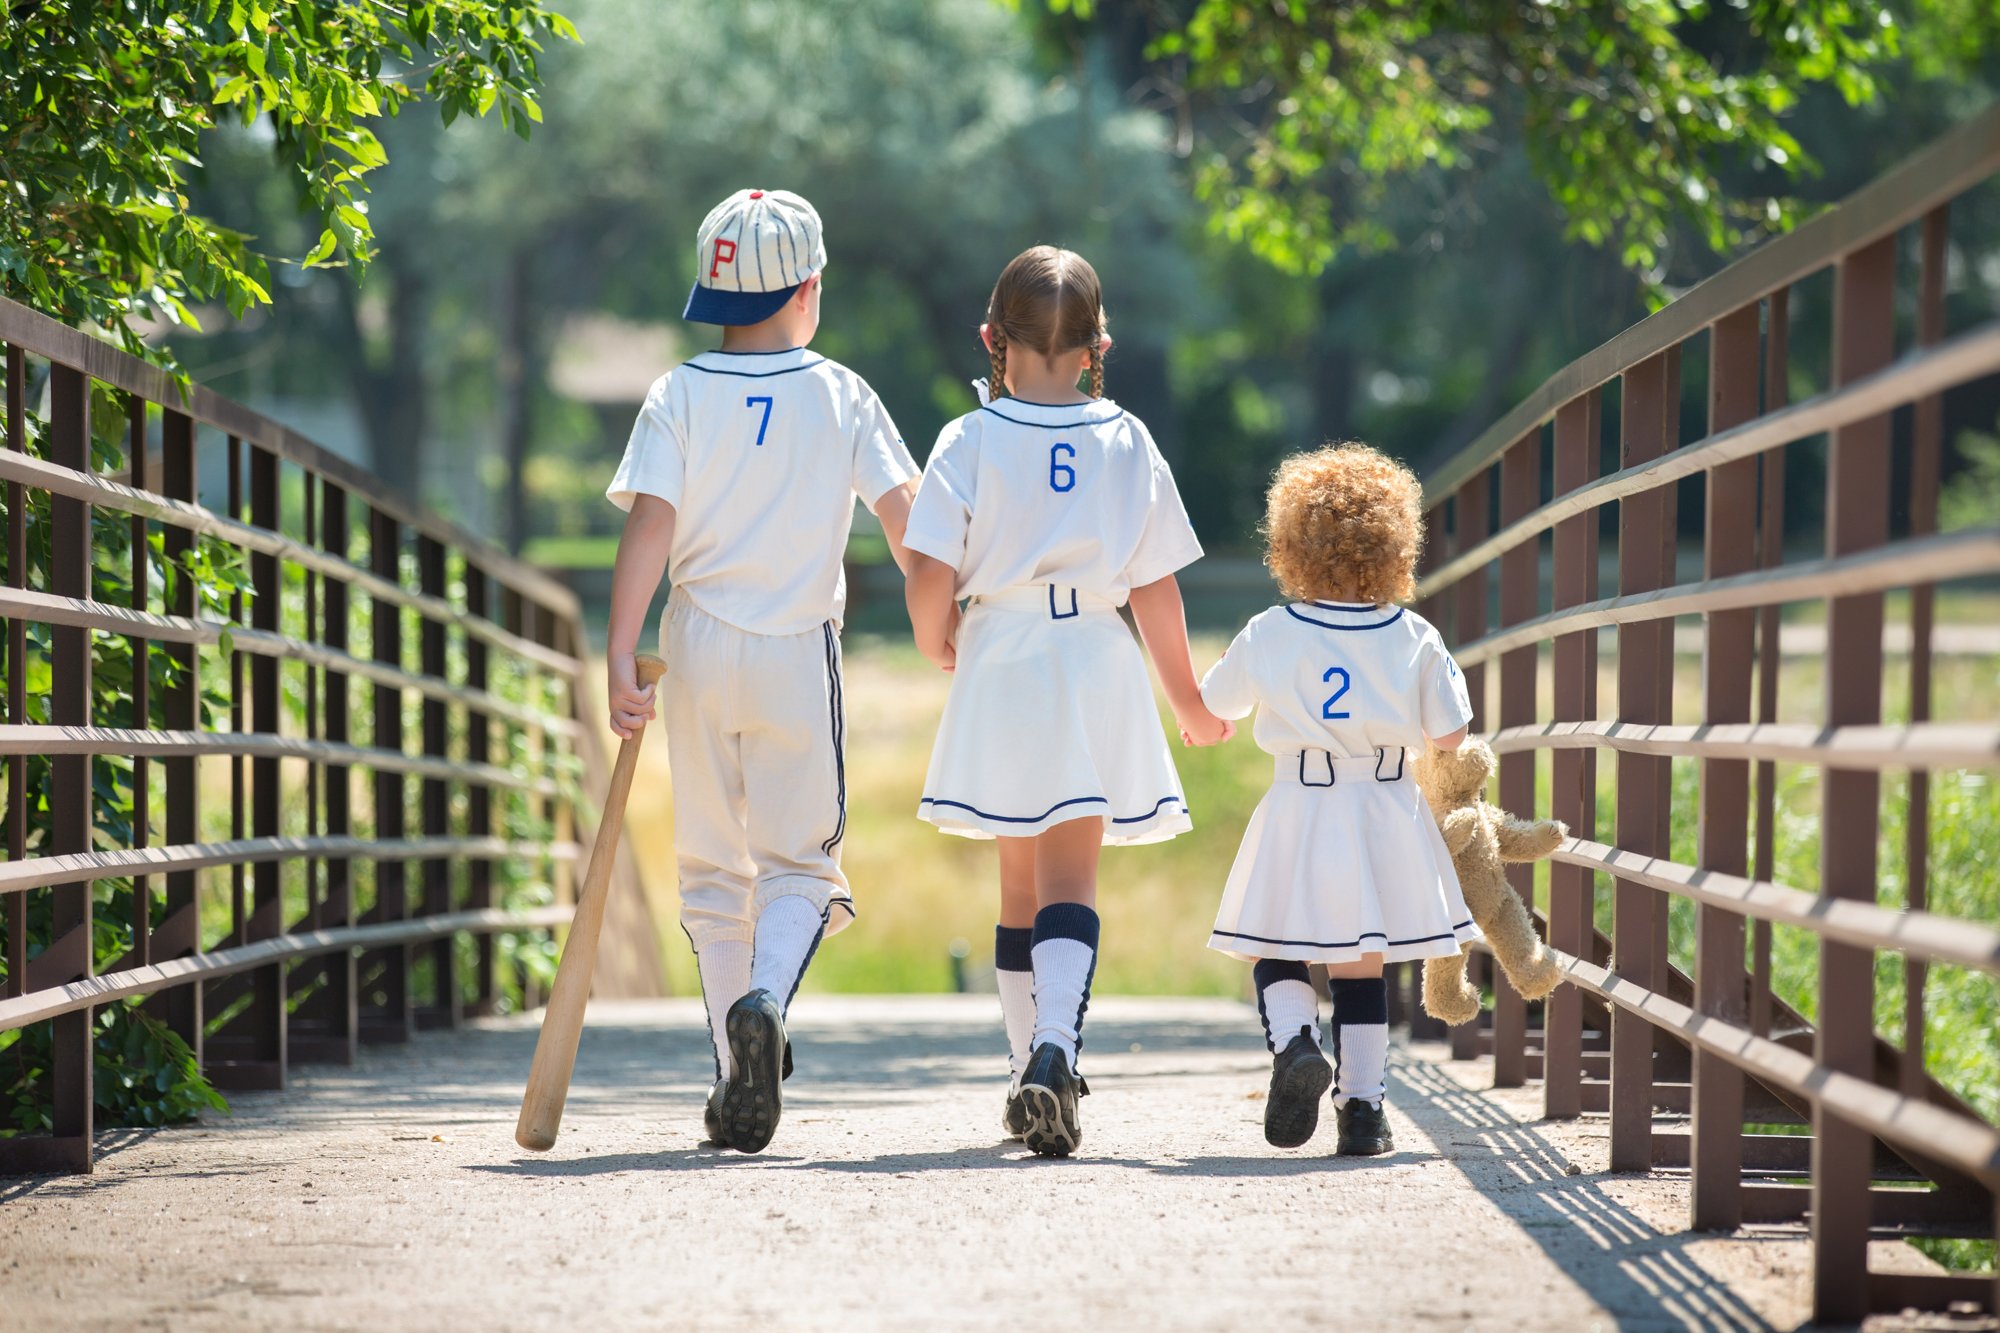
x: 650, y: 668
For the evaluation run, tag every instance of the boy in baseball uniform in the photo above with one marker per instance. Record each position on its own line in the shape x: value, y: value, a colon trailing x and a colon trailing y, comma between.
x: 740, y: 479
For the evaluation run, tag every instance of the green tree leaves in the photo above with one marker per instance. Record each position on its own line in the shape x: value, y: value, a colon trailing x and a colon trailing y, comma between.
x: 103, y: 106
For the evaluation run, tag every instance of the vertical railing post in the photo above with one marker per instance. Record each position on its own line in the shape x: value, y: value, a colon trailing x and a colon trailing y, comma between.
x: 1857, y: 518
x: 67, y: 956
x: 17, y: 678
x: 1721, y: 983
x: 179, y: 933
x: 340, y: 1013
x: 1645, y: 679
x: 394, y: 1018
x: 1770, y: 646
x: 141, y: 952
x: 1520, y: 577
x: 1573, y: 786
x: 1471, y: 522
x: 254, y: 1042
x: 479, y: 796
x: 441, y: 1009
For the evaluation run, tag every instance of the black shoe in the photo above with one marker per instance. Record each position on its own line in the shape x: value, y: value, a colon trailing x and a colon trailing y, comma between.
x: 711, y: 1114
x: 1048, y: 1097
x: 752, y: 1102
x: 1364, y: 1130
x: 1015, y: 1118
x: 1299, y: 1078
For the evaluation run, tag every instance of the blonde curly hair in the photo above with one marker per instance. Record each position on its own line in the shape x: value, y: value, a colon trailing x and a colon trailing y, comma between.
x: 1344, y: 523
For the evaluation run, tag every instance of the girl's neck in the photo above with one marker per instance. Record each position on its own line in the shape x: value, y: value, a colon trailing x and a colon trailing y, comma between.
x: 1038, y: 384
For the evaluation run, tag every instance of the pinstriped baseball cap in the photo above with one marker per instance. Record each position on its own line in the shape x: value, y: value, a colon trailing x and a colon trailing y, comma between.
x: 753, y: 251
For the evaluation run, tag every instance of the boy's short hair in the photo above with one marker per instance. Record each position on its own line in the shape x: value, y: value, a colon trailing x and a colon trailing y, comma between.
x: 1344, y: 522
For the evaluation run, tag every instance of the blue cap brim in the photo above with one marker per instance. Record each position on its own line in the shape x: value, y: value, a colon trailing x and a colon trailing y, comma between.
x: 706, y: 305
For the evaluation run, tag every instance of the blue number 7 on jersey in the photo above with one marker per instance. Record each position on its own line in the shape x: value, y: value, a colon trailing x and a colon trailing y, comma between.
x: 765, y: 424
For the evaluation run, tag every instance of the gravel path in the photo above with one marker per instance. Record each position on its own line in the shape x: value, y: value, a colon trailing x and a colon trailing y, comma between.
x: 392, y: 1195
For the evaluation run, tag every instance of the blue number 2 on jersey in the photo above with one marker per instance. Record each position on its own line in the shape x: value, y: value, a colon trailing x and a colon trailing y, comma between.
x: 1062, y: 477
x: 765, y: 424
x: 1326, y: 709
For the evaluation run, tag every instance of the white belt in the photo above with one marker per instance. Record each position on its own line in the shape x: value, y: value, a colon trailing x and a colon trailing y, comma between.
x: 1322, y: 768
x: 1056, y: 601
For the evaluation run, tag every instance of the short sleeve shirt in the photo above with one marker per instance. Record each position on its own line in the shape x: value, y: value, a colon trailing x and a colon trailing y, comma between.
x: 1347, y: 679
x: 1076, y: 495
x: 762, y: 456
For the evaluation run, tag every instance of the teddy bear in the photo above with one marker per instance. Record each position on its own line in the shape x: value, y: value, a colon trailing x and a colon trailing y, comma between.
x: 1480, y: 839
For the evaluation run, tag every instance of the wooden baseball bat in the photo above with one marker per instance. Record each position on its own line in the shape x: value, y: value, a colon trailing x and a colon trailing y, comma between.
x: 562, y: 1021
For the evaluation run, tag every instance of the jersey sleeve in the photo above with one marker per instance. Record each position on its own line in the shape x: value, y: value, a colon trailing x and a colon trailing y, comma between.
x: 1229, y: 689
x: 1445, y: 704
x: 1167, y: 542
x: 882, y: 461
x: 942, y: 512
x: 655, y: 461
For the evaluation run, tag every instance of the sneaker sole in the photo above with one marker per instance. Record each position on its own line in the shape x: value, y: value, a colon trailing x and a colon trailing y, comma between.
x: 1291, y: 1116
x: 752, y: 1105
x: 1366, y: 1148
x: 1047, y: 1135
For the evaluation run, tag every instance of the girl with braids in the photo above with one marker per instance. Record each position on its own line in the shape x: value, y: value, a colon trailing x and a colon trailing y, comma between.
x: 1049, y: 508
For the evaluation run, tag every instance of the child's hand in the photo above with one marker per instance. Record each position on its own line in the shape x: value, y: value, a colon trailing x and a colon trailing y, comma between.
x: 1203, y: 728
x: 631, y: 705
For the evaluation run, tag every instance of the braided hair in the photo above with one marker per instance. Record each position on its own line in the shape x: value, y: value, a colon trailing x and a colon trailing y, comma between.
x: 1048, y: 301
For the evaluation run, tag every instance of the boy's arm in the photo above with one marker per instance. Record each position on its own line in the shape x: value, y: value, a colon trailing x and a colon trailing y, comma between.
x: 642, y: 559
x: 1157, y: 610
x: 892, y: 509
x: 928, y: 592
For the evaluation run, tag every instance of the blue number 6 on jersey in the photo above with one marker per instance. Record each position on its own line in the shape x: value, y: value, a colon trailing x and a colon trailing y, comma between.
x: 765, y: 424
x: 1062, y: 477
x: 1326, y: 709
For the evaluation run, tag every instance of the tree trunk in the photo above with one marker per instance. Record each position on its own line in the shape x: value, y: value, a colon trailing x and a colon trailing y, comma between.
x: 388, y: 378
x: 518, y: 360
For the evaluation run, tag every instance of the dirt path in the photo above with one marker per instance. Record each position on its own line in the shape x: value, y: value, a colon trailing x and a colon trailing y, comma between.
x: 392, y: 1196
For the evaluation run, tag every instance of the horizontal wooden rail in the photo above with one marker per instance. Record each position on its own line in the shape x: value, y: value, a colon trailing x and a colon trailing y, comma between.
x: 56, y: 1000
x: 1922, y: 560
x: 1969, y: 1145
x: 49, y: 609
x: 1955, y: 163
x: 109, y: 365
x: 1917, y: 375
x: 72, y: 867
x: 43, y: 475
x: 158, y: 744
x: 1926, y: 745
x: 1938, y: 939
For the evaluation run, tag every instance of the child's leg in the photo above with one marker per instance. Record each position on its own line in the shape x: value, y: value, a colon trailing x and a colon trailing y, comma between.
x: 1361, y: 1029
x: 1285, y: 1001
x: 788, y: 935
x: 1065, y: 938
x: 724, y: 966
x: 1013, y: 949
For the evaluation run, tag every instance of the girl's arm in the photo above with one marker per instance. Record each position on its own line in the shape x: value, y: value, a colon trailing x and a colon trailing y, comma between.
x: 1157, y: 610
x: 1451, y: 740
x: 928, y: 590
x: 642, y: 559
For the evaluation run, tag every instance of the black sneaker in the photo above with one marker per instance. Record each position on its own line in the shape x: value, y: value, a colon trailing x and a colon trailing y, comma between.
x: 1364, y: 1130
x: 711, y: 1114
x: 1300, y: 1076
x: 752, y: 1102
x: 1048, y: 1103
x: 1015, y: 1118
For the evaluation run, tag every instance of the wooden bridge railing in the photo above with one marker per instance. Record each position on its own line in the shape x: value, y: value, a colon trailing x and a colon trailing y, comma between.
x: 343, y: 901
x: 1634, y: 1035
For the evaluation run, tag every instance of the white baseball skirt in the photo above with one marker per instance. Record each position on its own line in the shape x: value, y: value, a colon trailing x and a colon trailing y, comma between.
x: 1051, y: 718
x: 755, y: 739
x: 1342, y: 858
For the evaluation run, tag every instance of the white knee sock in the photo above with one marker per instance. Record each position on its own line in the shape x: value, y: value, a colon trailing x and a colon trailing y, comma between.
x: 788, y: 930
x: 1289, y: 1007
x: 725, y: 976
x: 1014, y: 975
x: 1361, y: 1020
x: 1065, y: 953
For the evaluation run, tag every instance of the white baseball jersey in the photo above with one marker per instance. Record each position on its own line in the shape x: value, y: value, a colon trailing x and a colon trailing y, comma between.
x: 1074, y: 496
x: 762, y: 455
x: 1344, y: 678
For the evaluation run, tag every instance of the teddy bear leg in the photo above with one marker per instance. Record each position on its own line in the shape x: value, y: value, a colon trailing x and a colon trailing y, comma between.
x: 1448, y: 996
x: 1521, y: 954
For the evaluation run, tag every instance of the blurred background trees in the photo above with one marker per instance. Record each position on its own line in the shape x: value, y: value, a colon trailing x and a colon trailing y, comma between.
x: 1297, y: 242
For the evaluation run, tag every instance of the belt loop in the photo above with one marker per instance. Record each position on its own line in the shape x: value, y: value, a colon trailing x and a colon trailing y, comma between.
x: 1070, y: 614
x: 1382, y: 757
x: 1324, y: 754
